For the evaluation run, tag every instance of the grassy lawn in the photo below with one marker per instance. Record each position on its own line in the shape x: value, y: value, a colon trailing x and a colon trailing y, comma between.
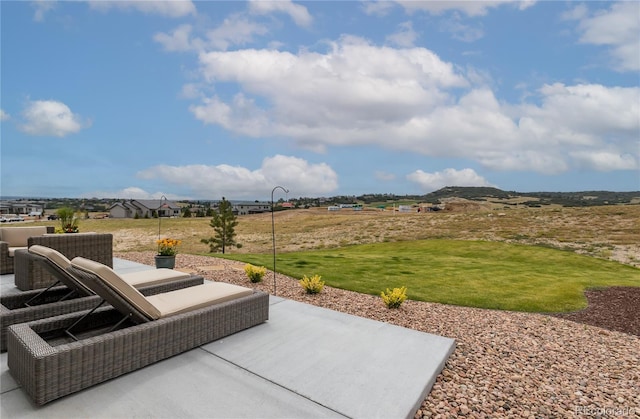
x: 467, y: 273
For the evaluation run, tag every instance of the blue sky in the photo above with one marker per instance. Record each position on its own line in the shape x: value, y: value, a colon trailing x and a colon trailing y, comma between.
x: 199, y: 100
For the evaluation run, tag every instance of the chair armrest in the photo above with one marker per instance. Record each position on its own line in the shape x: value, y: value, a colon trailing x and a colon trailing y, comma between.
x: 6, y: 262
x: 97, y: 247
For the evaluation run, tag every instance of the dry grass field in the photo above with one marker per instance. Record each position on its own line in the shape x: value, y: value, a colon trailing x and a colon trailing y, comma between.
x: 608, y: 232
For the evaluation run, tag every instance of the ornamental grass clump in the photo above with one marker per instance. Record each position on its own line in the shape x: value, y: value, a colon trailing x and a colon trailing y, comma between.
x: 168, y: 247
x: 395, y: 298
x: 254, y: 273
x: 312, y: 285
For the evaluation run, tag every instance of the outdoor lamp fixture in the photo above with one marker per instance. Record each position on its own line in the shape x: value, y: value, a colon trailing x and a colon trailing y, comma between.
x: 273, y: 235
x: 159, y: 218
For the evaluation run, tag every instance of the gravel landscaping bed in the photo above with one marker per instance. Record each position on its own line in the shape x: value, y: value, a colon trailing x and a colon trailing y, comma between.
x: 506, y: 364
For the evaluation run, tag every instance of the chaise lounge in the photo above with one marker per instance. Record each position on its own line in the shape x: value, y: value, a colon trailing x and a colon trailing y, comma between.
x: 48, y: 364
x: 74, y: 296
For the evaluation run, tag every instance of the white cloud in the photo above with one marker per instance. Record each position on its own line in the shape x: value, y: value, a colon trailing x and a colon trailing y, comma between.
x: 234, y: 30
x: 606, y: 161
x: 377, y: 8
x: 298, y: 13
x: 42, y: 7
x: 297, y: 175
x: 173, y: 8
x: 351, y: 90
x: 449, y: 177
x: 50, y: 118
x: 4, y: 116
x: 179, y: 39
x: 131, y: 192
x: 405, y: 36
x: 618, y: 27
x: 409, y: 99
x: 470, y: 8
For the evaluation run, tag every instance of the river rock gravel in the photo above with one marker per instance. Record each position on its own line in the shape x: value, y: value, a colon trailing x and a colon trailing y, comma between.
x: 506, y: 364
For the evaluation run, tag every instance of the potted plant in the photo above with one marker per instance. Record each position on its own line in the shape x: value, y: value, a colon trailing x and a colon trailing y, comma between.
x: 68, y: 220
x: 167, y: 249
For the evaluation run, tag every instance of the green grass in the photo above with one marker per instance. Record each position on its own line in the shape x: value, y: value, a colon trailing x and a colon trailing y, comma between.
x: 467, y: 273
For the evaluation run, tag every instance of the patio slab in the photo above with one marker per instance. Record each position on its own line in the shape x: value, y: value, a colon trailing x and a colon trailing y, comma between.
x: 305, y: 361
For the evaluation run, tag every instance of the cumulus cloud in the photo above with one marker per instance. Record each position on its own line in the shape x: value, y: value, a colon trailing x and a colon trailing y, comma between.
x: 234, y: 30
x: 51, y: 118
x: 131, y: 192
x: 409, y: 99
x: 618, y: 28
x: 606, y: 161
x: 179, y: 39
x: 4, y: 116
x: 298, y: 175
x: 429, y: 182
x: 404, y: 37
x: 173, y: 8
x: 470, y: 8
x: 298, y: 13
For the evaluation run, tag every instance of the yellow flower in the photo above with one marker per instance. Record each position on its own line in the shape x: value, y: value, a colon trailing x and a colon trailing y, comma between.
x: 168, y: 247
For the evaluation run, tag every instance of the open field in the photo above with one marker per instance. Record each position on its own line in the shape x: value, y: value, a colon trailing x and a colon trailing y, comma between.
x: 608, y: 232
x: 464, y: 273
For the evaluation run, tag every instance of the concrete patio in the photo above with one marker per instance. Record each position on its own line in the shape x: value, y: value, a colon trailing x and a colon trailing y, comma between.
x: 305, y: 362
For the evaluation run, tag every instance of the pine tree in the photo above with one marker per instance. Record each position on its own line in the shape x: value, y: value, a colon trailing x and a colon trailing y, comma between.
x: 223, y: 222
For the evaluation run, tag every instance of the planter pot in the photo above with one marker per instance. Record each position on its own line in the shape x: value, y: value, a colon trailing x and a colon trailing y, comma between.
x: 165, y: 261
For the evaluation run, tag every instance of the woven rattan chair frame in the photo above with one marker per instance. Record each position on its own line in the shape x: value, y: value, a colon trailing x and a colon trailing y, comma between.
x: 13, y: 310
x: 97, y: 247
x: 48, y: 372
x: 6, y: 261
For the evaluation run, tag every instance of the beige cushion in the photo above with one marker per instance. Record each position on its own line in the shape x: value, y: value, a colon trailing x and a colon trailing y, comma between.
x: 114, y: 281
x: 17, y: 236
x: 152, y: 277
x: 12, y: 250
x: 169, y: 303
x: 61, y: 262
x: 53, y: 255
x: 199, y: 296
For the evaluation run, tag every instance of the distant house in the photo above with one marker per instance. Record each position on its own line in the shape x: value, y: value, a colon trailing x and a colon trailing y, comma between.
x: 21, y: 207
x: 144, y: 208
x: 250, y: 207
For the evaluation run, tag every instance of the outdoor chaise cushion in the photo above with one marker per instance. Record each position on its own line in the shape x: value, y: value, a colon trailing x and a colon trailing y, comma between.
x: 109, y: 285
x: 135, y: 279
x: 17, y: 237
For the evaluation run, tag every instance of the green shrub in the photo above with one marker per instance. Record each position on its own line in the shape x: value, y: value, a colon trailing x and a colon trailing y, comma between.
x: 395, y: 298
x: 254, y: 273
x: 312, y: 285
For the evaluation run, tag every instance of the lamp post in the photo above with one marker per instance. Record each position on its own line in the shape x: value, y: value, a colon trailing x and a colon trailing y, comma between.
x: 159, y: 218
x: 273, y: 235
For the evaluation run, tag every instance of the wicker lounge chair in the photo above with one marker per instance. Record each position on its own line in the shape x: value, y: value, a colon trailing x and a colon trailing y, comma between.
x: 73, y: 295
x: 48, y: 366
x: 94, y: 246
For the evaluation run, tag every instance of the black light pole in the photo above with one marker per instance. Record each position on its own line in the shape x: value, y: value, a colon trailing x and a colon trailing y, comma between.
x: 161, y: 198
x: 273, y: 235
